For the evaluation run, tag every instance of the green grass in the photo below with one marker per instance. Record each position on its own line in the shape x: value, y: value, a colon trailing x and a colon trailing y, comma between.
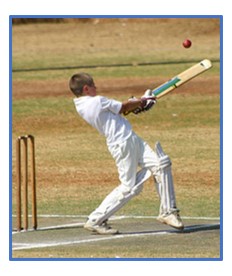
x: 154, y: 71
x: 191, y: 138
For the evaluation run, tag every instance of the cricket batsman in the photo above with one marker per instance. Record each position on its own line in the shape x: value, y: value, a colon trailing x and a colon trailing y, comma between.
x: 129, y: 152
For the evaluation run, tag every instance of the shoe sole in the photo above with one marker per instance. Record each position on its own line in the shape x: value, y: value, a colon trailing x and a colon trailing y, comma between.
x: 181, y: 228
x: 96, y: 231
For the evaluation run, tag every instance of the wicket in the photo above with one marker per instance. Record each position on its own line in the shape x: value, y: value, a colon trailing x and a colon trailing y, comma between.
x: 26, y: 140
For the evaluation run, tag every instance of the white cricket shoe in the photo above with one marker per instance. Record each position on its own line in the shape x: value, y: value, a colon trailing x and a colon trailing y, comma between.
x: 103, y: 229
x: 172, y: 219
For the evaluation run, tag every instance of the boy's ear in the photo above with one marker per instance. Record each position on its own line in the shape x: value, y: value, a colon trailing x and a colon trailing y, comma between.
x: 85, y: 88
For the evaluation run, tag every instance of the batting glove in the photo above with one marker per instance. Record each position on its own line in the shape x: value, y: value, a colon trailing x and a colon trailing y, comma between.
x: 149, y: 100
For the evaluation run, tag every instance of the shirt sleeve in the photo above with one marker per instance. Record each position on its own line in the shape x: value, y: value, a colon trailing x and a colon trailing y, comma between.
x: 111, y: 105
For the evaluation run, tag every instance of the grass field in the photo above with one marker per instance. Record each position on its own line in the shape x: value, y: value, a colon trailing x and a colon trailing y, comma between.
x: 74, y: 169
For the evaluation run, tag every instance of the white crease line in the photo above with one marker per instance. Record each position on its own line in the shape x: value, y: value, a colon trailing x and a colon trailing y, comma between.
x: 120, y: 236
x: 154, y: 217
x: 32, y: 246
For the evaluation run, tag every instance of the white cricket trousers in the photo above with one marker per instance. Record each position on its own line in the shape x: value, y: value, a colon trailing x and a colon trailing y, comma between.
x: 130, y: 155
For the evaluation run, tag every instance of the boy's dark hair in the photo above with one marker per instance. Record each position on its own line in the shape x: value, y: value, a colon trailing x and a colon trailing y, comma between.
x: 78, y: 81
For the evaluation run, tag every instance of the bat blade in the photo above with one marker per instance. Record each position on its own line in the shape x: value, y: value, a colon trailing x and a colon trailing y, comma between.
x: 182, y: 78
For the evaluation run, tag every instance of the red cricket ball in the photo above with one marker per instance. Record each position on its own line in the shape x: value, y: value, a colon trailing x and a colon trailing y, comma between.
x: 187, y: 43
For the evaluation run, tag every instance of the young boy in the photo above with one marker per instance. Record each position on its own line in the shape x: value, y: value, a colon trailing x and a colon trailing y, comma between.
x: 129, y: 152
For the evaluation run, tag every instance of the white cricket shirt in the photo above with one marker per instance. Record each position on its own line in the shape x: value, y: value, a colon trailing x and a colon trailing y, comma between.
x: 103, y: 114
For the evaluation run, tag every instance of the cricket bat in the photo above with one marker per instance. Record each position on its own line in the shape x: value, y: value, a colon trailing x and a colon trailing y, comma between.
x: 182, y: 78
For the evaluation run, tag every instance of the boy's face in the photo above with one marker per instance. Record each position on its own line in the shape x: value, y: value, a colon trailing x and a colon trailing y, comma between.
x: 90, y: 90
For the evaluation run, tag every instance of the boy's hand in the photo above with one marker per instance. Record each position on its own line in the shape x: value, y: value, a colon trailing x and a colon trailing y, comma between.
x: 148, y: 100
x: 137, y: 106
x: 147, y: 104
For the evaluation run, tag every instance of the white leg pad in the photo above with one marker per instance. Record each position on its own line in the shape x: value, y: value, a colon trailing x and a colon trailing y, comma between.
x: 164, y: 181
x: 118, y: 198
